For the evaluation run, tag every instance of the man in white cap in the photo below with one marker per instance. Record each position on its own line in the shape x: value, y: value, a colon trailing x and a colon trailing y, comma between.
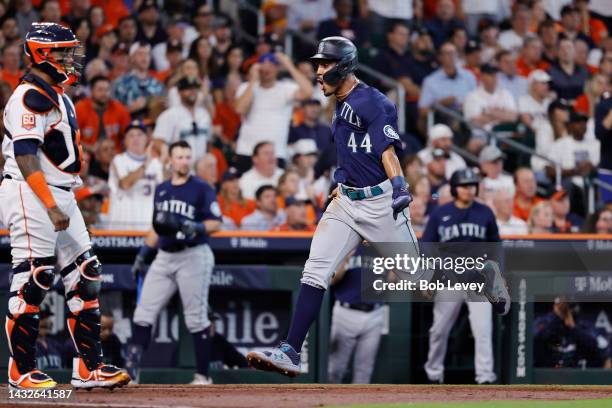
x: 441, y: 137
x: 491, y: 165
x: 533, y: 107
x: 304, y: 158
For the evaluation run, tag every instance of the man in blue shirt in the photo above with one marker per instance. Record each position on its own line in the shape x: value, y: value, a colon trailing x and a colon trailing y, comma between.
x: 448, y: 85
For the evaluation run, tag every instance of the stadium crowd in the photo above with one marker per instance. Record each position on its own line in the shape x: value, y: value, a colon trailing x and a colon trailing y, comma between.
x: 536, y: 72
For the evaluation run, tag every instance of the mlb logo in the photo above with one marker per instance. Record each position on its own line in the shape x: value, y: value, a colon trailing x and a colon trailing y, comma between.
x: 28, y: 121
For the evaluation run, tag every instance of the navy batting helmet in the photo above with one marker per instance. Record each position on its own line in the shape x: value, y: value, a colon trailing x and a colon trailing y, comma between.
x: 464, y: 177
x: 342, y: 51
x: 45, y: 38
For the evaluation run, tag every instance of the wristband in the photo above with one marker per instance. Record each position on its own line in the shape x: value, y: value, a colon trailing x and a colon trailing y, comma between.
x: 39, y: 185
x: 398, y: 182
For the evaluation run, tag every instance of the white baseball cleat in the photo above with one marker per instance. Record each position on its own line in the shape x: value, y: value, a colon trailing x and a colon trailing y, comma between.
x: 201, y: 379
x: 104, y: 376
x: 282, y: 359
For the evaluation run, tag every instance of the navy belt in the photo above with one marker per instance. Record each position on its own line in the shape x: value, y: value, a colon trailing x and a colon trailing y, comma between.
x: 356, y: 194
x: 363, y: 307
x: 9, y: 177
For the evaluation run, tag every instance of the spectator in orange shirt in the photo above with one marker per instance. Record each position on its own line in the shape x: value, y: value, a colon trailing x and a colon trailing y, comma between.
x: 593, y: 27
x: 230, y: 199
x: 99, y: 110
x: 593, y: 89
x: 296, y: 216
x: 525, y: 197
x: 174, y: 56
x: 225, y: 114
x: 10, y: 65
x: 530, y: 57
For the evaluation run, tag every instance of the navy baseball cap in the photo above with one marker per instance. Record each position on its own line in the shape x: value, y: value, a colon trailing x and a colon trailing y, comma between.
x: 291, y: 200
x: 230, y: 174
x: 136, y: 123
x: 268, y: 56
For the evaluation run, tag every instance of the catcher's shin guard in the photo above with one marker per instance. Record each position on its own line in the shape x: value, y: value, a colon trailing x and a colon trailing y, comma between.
x: 82, y: 284
x: 29, y: 284
x: 82, y: 281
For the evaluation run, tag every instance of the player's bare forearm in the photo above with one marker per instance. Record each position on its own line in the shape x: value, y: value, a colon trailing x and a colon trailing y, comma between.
x: 28, y: 164
x: 212, y: 226
x: 391, y: 163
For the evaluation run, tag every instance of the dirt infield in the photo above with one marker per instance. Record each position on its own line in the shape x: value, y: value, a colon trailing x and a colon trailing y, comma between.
x: 231, y: 395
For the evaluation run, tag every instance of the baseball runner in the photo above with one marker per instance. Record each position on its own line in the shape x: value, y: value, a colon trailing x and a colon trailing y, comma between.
x: 185, y: 213
x: 356, y: 325
x: 463, y: 220
x: 43, y: 159
x: 369, y: 203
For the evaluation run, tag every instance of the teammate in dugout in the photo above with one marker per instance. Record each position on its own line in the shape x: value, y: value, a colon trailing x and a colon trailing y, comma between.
x: 185, y: 213
x: 43, y: 155
x: 369, y: 203
x: 463, y: 220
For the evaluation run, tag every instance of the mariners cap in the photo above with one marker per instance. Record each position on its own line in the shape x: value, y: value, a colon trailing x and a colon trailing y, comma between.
x: 489, y: 154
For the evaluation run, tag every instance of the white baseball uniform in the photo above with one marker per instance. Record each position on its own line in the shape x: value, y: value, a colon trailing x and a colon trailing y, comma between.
x: 178, y: 123
x: 133, y: 208
x: 56, y: 132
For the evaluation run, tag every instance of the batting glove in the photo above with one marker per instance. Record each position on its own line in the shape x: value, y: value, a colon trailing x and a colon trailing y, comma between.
x: 192, y: 229
x: 143, y: 259
x: 401, y: 197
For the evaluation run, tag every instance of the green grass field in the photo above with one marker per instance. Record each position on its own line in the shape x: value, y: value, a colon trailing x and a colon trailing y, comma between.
x: 592, y: 403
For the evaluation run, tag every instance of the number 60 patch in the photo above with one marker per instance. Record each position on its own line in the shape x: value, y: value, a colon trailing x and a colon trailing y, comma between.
x: 28, y: 121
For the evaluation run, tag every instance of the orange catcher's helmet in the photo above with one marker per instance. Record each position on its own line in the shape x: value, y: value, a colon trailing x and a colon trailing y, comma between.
x: 53, y: 49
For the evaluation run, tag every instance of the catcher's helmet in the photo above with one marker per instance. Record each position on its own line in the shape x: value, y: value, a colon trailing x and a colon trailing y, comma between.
x: 342, y: 51
x: 464, y: 177
x: 42, y: 39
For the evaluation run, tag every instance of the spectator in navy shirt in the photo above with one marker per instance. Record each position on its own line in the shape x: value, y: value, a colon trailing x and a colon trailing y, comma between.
x: 563, y: 220
x: 344, y: 25
x: 567, y: 78
x: 311, y: 128
x: 444, y: 22
x: 394, y: 60
x: 603, y: 132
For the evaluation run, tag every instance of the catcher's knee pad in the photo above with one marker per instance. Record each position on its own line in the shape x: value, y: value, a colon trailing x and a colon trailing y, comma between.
x: 82, y: 280
x: 29, y: 285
